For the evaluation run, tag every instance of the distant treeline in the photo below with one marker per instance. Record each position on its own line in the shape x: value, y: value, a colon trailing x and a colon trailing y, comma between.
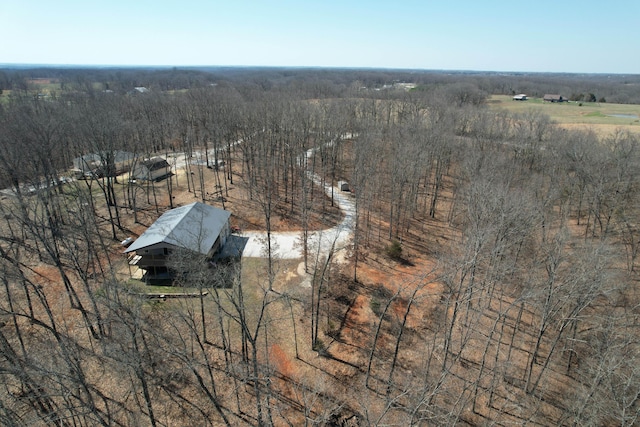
x: 325, y: 82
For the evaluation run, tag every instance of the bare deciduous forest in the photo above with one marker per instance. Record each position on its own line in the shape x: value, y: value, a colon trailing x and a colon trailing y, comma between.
x: 490, y: 279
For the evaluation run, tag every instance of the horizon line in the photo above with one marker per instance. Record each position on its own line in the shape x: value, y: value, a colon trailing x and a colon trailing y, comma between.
x: 29, y: 65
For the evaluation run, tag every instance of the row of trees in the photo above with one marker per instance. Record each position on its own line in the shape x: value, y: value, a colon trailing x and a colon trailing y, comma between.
x: 527, y: 313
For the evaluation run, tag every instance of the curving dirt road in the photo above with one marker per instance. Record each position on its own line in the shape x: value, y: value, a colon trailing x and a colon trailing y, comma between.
x: 287, y: 245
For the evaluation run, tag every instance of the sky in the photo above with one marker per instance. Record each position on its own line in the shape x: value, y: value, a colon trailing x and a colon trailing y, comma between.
x: 570, y: 36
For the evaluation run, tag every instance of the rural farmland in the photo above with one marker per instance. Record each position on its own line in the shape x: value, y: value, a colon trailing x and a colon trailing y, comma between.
x: 601, y: 117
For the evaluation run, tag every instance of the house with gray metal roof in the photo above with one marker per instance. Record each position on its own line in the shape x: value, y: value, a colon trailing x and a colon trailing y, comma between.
x: 197, y: 227
x: 104, y: 163
x: 151, y: 169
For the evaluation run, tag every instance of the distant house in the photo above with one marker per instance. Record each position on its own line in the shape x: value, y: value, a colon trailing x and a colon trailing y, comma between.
x: 199, y: 228
x: 151, y: 169
x: 86, y: 164
x: 138, y: 90
x: 520, y: 97
x: 554, y: 98
x: 106, y: 163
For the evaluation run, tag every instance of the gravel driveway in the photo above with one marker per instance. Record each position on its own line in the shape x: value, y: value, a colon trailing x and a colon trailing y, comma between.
x: 288, y: 244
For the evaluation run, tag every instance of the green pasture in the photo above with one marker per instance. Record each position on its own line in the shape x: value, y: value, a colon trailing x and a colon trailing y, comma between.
x: 44, y: 87
x: 596, y: 115
x: 4, y: 96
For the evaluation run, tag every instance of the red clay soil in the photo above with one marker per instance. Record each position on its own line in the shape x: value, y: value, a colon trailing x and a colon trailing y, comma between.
x: 281, y: 361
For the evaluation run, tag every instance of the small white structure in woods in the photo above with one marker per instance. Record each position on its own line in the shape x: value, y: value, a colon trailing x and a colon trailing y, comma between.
x: 520, y: 97
x: 343, y: 186
x: 151, y: 169
x: 196, y: 227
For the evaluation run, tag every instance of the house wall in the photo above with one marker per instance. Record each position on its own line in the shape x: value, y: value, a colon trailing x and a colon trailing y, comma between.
x: 158, y: 173
x: 225, y: 233
x: 154, y: 251
x: 142, y: 172
x: 220, y: 241
x: 153, y: 256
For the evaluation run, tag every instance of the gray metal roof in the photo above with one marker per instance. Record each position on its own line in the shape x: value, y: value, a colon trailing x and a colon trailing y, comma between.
x: 117, y: 155
x: 195, y: 227
x: 155, y: 163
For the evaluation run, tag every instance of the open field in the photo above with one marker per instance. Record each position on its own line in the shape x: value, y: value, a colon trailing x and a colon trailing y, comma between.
x: 602, y: 118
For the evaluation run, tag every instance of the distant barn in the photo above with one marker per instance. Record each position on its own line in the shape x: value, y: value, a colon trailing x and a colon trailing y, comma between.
x: 554, y: 98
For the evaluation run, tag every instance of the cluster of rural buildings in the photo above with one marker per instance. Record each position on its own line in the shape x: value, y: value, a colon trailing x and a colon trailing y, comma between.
x: 547, y: 98
x: 197, y: 228
x: 114, y: 163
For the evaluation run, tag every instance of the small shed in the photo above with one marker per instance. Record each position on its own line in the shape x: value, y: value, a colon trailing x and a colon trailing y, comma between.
x: 520, y: 97
x: 343, y: 186
x: 151, y: 169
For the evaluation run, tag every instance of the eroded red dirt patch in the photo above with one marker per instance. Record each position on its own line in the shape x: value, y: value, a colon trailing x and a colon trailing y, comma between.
x: 281, y: 361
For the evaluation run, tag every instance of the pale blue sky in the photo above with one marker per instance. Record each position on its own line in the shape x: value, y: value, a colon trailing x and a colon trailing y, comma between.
x: 497, y: 35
